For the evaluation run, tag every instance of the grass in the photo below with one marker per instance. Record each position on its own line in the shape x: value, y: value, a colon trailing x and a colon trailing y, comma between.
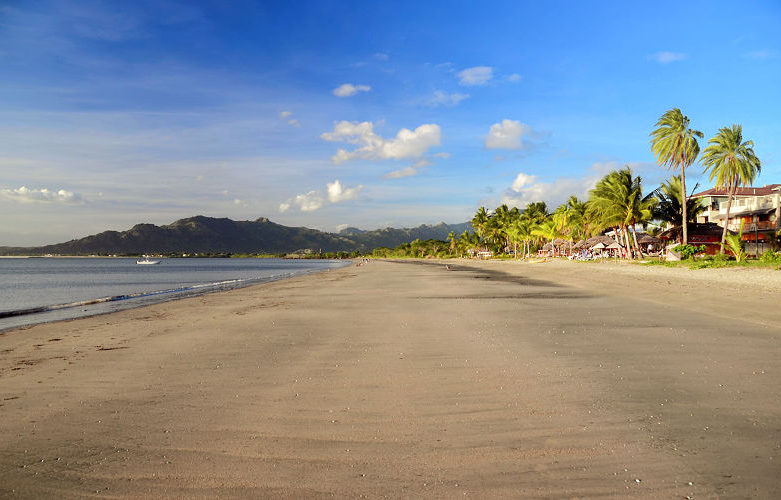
x: 769, y: 260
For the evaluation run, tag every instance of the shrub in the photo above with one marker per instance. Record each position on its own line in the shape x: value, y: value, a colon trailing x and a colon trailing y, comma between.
x: 770, y: 257
x: 688, y: 251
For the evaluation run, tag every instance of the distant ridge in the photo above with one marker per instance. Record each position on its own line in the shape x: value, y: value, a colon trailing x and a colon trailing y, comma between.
x: 202, y: 234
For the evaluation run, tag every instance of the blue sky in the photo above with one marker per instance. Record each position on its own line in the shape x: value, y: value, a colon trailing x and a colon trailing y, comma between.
x: 367, y: 114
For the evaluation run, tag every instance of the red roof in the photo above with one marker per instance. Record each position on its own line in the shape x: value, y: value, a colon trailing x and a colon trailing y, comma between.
x: 741, y: 191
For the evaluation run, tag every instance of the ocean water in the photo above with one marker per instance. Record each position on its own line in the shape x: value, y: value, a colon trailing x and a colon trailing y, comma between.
x: 36, y: 290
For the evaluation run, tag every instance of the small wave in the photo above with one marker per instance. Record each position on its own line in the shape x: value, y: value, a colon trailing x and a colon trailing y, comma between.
x: 116, y: 298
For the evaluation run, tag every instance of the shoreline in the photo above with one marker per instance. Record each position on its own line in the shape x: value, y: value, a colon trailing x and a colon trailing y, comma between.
x: 116, y: 303
x: 402, y: 378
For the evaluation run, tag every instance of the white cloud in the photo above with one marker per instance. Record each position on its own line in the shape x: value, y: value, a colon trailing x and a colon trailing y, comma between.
x: 522, y: 180
x: 514, y: 78
x: 293, y: 122
x: 284, y: 114
x: 527, y: 188
x: 338, y: 193
x: 478, y: 75
x: 442, y: 155
x: 403, y: 172
x: 315, y: 200
x: 27, y: 195
x: 507, y: 135
x: 307, y: 202
x: 380, y: 56
x: 407, y: 144
x: 408, y: 171
x: 348, y: 89
x: 667, y: 57
x: 444, y: 99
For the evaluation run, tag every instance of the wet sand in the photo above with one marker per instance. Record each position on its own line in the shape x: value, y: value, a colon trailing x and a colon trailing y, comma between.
x: 492, y: 379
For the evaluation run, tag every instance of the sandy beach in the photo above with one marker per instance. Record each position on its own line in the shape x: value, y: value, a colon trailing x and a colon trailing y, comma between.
x: 406, y: 379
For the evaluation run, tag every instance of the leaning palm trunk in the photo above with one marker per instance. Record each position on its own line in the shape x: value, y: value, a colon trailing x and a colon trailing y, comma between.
x: 684, y: 228
x: 733, y: 187
x: 637, y: 246
x: 629, y: 254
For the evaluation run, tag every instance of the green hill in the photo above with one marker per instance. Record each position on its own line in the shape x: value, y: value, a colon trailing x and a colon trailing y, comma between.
x: 201, y: 234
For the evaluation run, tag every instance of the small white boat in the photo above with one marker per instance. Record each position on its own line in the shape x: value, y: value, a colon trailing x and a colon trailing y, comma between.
x: 147, y: 262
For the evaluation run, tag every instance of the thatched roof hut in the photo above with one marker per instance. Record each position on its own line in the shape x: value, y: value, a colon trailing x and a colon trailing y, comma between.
x: 601, y: 238
x: 647, y: 239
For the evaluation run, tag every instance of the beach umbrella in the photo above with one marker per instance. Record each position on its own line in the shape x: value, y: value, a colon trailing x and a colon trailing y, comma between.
x: 598, y: 246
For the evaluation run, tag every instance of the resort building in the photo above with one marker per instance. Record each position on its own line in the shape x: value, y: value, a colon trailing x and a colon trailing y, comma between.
x: 758, y: 209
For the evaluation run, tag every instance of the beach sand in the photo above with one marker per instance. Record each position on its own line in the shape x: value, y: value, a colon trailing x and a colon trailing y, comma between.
x: 404, y: 379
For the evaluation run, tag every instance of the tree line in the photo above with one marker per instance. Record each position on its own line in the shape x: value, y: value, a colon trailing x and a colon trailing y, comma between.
x: 616, y: 202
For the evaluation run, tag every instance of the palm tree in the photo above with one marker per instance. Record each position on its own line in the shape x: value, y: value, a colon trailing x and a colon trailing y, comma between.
x: 577, y: 221
x: 520, y: 231
x: 669, y: 207
x: 675, y: 145
x: 617, y: 201
x: 732, y: 163
x: 479, y: 221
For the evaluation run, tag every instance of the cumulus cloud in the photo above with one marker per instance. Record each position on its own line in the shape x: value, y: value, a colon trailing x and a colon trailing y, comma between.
x: 338, y: 193
x: 284, y: 114
x: 406, y: 144
x: 527, y: 188
x: 307, y: 202
x: 514, y: 78
x: 667, y: 57
x: 478, y: 75
x: 441, y: 155
x: 444, y: 99
x: 348, y: 89
x: 293, y: 122
x: 335, y: 192
x: 43, y: 195
x: 507, y: 135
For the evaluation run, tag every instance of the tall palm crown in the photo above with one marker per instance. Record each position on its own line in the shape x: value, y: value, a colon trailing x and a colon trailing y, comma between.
x: 732, y: 163
x: 617, y: 201
x: 730, y: 160
x: 669, y: 208
x: 675, y: 145
x: 479, y: 221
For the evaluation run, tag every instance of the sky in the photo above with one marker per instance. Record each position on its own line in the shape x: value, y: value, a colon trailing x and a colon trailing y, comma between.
x: 331, y: 114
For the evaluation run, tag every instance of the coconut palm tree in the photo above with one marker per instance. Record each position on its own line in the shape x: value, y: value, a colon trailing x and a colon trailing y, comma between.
x: 617, y: 201
x: 479, y: 221
x: 675, y: 145
x: 520, y: 231
x: 732, y: 163
x: 551, y: 228
x: 669, y: 207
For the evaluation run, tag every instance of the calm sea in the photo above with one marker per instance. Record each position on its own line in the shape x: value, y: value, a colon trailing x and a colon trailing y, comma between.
x: 36, y: 290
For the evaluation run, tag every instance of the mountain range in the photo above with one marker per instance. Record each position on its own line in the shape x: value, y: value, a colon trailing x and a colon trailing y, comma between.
x: 202, y: 234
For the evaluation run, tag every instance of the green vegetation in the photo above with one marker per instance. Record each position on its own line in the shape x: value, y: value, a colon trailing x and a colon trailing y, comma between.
x: 675, y: 145
x: 688, y: 252
x: 732, y: 163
